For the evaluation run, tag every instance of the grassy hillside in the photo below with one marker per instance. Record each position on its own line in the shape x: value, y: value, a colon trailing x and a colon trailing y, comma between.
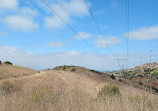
x: 145, y: 75
x: 145, y: 70
x: 72, y: 90
x: 11, y: 71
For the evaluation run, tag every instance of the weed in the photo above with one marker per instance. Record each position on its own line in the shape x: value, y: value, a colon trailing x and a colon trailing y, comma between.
x: 6, y: 87
x: 73, y: 70
x: 109, y: 91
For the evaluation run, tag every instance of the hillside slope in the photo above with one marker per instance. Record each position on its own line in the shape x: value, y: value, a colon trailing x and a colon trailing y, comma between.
x: 10, y: 71
x: 145, y: 69
x: 88, y: 82
x: 145, y: 75
x: 72, y: 90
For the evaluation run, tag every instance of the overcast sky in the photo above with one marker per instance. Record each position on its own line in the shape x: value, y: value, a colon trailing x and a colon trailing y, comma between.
x: 32, y: 35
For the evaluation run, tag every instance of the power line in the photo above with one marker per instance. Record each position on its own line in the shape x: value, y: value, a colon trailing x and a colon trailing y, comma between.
x: 100, y: 31
x: 127, y: 29
x: 121, y: 66
x: 93, y: 18
x: 64, y: 21
x: 150, y: 56
x: 95, y: 22
x: 71, y: 28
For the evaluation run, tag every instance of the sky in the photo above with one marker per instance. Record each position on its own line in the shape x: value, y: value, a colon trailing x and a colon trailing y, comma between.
x: 34, y: 36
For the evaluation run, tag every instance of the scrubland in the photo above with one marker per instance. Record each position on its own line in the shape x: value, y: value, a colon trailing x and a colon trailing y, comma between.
x: 56, y: 90
x: 48, y: 99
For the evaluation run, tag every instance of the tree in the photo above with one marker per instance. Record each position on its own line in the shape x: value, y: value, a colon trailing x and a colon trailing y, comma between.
x: 8, y: 63
x: 112, y: 76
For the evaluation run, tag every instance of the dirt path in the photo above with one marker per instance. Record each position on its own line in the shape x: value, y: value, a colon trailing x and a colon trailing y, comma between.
x: 25, y: 77
x: 82, y: 81
x: 87, y: 83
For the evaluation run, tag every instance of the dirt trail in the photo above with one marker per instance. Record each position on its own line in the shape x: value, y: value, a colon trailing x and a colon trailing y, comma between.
x: 87, y: 83
x: 63, y: 78
x: 82, y: 81
x: 25, y: 77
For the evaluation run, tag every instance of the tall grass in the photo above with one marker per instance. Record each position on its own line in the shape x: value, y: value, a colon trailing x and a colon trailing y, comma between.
x: 48, y: 99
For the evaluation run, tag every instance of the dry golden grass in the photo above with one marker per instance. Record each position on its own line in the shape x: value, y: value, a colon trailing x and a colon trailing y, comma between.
x: 48, y: 99
x: 9, y: 71
x: 70, y: 91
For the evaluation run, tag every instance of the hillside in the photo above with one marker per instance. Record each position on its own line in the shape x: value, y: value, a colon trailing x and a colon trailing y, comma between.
x: 64, y: 77
x: 145, y: 75
x: 78, y: 70
x: 145, y: 69
x: 11, y: 71
x: 71, y: 88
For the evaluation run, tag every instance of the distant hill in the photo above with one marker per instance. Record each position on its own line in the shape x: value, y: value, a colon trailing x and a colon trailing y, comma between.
x: 67, y: 88
x: 12, y: 71
x: 63, y: 77
x: 145, y: 69
x: 145, y: 75
x: 78, y: 69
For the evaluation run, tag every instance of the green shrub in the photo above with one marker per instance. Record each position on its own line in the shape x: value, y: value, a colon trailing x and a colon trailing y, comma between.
x: 112, y: 76
x: 120, y: 80
x: 6, y: 87
x: 155, y: 74
x: 97, y: 72
x: 109, y: 91
x: 8, y: 63
x: 0, y: 62
x: 73, y: 70
x: 139, y: 75
x: 64, y: 67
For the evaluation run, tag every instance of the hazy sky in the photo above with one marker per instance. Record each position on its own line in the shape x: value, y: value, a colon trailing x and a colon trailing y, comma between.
x: 32, y: 35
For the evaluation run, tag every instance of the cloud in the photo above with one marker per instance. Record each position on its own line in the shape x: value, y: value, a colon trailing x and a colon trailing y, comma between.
x: 67, y: 10
x: 8, y: 5
x: 20, y: 18
x: 39, y: 62
x: 145, y: 33
x: 28, y: 11
x: 53, y: 22
x: 82, y: 35
x: 107, y: 41
x: 24, y: 23
x: 74, y: 52
x: 55, y: 44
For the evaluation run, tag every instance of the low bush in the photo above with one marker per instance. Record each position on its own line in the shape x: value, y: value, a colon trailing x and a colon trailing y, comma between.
x: 109, y: 91
x: 112, y: 76
x: 155, y: 74
x: 97, y: 72
x: 73, y: 70
x: 6, y: 87
x: 64, y: 67
x: 139, y: 75
x: 120, y: 80
x: 8, y: 63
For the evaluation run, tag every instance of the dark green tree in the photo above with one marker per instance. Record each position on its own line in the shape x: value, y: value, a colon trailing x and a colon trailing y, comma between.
x: 112, y: 76
x: 8, y: 63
